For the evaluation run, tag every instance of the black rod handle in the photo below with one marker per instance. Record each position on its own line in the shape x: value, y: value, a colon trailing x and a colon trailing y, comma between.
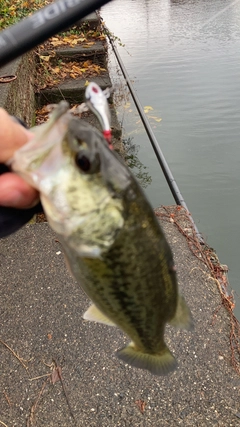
x: 29, y: 32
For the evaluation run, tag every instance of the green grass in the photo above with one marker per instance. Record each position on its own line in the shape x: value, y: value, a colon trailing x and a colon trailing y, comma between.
x: 10, y: 12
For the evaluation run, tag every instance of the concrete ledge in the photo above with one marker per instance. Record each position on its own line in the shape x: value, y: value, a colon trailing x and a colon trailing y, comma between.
x: 96, y: 53
x: 72, y: 90
x: 18, y: 97
x: 91, y: 22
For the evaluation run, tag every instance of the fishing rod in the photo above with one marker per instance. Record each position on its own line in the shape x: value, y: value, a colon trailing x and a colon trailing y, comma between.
x: 58, y: 16
x: 156, y: 147
x: 46, y: 22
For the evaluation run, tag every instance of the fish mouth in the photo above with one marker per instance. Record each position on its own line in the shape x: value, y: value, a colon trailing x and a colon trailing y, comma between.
x: 41, y: 155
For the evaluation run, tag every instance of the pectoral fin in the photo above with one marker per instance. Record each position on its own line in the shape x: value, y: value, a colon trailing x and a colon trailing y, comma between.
x: 93, y: 314
x: 183, y: 317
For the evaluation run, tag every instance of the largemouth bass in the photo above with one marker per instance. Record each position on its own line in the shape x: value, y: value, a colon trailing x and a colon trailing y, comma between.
x: 112, y: 240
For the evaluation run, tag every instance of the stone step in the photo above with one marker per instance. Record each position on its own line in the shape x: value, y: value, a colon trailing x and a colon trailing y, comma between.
x: 72, y: 90
x: 95, y: 53
x: 90, y: 22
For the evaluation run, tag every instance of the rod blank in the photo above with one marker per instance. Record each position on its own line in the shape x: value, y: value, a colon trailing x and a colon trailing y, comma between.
x: 29, y: 32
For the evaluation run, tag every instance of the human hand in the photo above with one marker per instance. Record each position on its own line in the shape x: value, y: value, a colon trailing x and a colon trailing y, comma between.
x: 14, y: 191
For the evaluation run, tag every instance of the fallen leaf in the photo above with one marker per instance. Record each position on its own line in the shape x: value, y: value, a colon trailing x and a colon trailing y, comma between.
x: 89, y: 44
x: 76, y: 69
x: 44, y: 110
x: 141, y: 405
x: 45, y: 57
x: 87, y: 63
x: 56, y: 43
x: 56, y: 70
x: 147, y: 108
x: 157, y: 119
x: 55, y: 374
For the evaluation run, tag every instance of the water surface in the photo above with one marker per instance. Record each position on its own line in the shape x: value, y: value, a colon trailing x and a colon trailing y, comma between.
x: 184, y: 60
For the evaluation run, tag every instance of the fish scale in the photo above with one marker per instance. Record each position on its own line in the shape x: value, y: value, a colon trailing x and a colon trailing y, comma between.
x: 112, y: 240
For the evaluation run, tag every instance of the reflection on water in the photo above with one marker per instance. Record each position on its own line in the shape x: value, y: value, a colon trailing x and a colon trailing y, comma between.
x: 184, y: 59
x: 133, y: 162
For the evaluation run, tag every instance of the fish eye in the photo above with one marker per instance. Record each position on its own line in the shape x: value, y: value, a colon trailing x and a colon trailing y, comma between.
x: 83, y: 162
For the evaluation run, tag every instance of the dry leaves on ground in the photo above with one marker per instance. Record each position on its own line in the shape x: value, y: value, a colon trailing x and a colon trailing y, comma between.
x: 73, y: 38
x: 49, y: 75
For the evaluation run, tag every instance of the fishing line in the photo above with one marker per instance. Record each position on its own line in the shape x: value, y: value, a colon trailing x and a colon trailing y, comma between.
x: 154, y: 60
x: 156, y: 147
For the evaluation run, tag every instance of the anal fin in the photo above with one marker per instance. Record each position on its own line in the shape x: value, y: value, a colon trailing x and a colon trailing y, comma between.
x: 93, y: 314
x: 183, y: 317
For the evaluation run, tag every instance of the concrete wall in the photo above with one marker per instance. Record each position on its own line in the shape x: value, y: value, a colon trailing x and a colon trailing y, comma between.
x: 18, y: 96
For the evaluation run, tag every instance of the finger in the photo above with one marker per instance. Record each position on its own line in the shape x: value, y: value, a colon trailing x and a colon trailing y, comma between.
x: 12, y: 136
x: 15, y: 192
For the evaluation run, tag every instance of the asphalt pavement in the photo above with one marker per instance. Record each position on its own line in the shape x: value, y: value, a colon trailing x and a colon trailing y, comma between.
x: 58, y: 370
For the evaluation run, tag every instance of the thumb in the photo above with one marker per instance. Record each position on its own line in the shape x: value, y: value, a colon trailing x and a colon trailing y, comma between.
x: 12, y: 136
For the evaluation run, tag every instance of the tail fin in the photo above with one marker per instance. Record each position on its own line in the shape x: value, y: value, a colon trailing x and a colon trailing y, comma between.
x: 158, y: 364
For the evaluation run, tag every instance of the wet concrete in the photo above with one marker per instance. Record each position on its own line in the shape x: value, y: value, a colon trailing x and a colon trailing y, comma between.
x: 41, y: 322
